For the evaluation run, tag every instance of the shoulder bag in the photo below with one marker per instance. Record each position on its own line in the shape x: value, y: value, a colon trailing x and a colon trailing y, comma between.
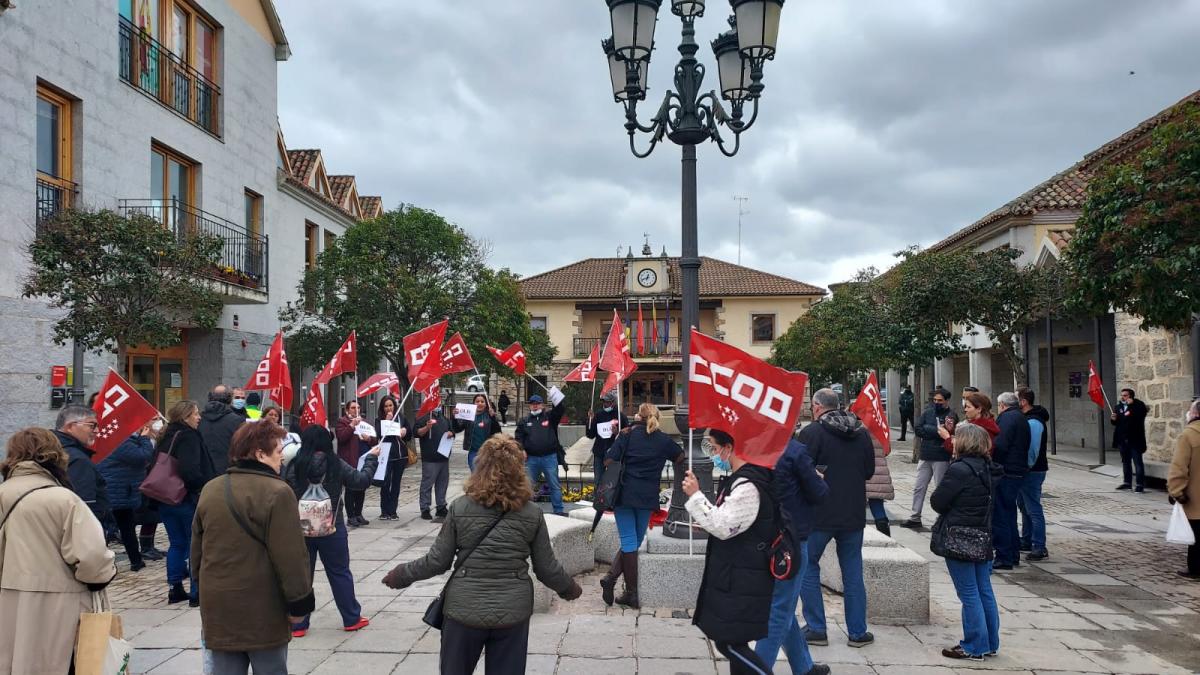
x: 163, y: 483
x: 18, y: 501
x: 962, y: 542
x: 435, y: 613
x: 608, y: 491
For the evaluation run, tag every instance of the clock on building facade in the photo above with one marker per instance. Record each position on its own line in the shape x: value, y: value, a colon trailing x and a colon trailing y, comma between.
x: 647, y: 278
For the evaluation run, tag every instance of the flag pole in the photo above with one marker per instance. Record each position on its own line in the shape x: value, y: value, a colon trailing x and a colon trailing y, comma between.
x: 528, y: 377
x: 691, y: 529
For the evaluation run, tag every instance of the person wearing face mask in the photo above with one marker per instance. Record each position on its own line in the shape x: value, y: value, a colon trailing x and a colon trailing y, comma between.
x: 485, y: 425
x: 435, y: 468
x: 1183, y: 484
x: 218, y: 422
x: 605, y: 415
x: 1129, y: 436
x: 742, y: 526
x: 238, y: 403
x: 537, y: 433
x: 935, y: 458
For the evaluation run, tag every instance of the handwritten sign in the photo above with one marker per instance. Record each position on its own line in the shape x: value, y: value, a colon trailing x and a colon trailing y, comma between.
x: 464, y: 411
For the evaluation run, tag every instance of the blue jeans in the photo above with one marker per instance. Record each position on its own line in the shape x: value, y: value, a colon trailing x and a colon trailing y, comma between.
x: 335, y: 556
x: 783, y: 629
x: 877, y: 510
x: 980, y: 618
x: 849, y: 553
x: 177, y: 520
x: 1033, y: 519
x: 1004, y: 521
x: 471, y: 460
x: 546, y: 466
x: 631, y: 526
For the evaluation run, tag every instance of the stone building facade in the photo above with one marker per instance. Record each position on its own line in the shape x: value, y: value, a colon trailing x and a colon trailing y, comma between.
x: 1160, y: 367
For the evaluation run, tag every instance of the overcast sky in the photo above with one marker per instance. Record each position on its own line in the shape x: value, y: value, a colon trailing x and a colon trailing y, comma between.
x: 883, y: 123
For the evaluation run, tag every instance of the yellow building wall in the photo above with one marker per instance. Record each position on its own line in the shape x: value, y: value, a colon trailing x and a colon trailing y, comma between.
x: 560, y: 323
x: 734, y: 320
x: 251, y: 12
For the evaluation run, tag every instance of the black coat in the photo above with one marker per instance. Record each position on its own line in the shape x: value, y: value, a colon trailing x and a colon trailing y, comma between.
x: 485, y: 423
x: 186, y: 445
x: 86, y: 480
x: 964, y: 497
x: 799, y: 488
x: 1130, y: 425
x: 839, y: 441
x: 734, y: 603
x: 1042, y: 415
x: 430, y: 441
x: 218, y: 422
x: 399, y: 445
x: 643, y: 455
x: 601, y: 446
x: 538, y: 434
x: 926, y: 428
x: 125, y: 469
x: 907, y: 401
x: 335, y: 475
x: 1012, y: 444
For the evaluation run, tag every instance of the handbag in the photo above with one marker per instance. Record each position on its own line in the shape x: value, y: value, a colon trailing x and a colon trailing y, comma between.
x: 435, y: 613
x: 99, y: 645
x: 609, y: 489
x: 163, y: 483
x: 962, y: 542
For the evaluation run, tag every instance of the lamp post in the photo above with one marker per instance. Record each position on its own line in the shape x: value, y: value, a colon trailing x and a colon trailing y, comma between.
x: 689, y: 117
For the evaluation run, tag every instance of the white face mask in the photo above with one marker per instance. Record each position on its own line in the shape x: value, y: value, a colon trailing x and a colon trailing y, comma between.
x: 156, y: 426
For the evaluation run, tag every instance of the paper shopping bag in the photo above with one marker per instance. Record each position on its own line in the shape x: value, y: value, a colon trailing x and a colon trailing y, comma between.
x: 99, y: 647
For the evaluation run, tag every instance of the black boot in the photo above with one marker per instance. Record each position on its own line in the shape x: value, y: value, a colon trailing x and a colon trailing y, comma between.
x: 148, y: 550
x: 883, y: 526
x: 177, y: 594
x: 630, y: 568
x: 609, y: 581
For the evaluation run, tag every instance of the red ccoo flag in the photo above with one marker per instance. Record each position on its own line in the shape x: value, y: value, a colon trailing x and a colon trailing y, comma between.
x: 611, y: 382
x: 617, y: 357
x: 1096, y: 388
x: 432, y: 397
x: 272, y: 374
x: 377, y: 382
x: 419, y: 346
x: 868, y: 406
x: 749, y: 399
x: 455, y: 357
x: 120, y: 411
x: 586, y: 371
x: 344, y: 361
x: 513, y: 357
x: 314, y: 408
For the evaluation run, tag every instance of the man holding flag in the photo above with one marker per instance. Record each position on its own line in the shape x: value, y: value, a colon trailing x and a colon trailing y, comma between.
x: 606, y: 417
x: 1129, y: 436
x: 537, y: 433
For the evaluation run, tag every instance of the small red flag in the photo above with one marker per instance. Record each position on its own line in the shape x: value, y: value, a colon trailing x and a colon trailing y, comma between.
x: 455, y: 357
x: 611, y: 382
x: 513, y: 357
x: 617, y: 357
x: 314, y: 408
x: 1096, y: 387
x: 120, y: 411
x: 432, y: 396
x: 419, y: 346
x: 344, y: 361
x: 272, y: 374
x: 586, y: 371
x: 746, y: 397
x: 641, y: 332
x: 868, y: 406
x: 377, y: 382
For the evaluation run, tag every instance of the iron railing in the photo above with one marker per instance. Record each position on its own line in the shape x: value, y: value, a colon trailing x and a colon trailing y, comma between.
x: 243, y: 260
x: 53, y: 196
x: 166, y: 77
x: 670, y: 347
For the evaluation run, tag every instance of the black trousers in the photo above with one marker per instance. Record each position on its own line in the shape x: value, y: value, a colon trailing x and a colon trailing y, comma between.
x: 128, y: 529
x: 389, y: 494
x: 505, y: 648
x: 906, y: 421
x: 1193, y: 557
x: 354, y: 502
x: 742, y: 659
x: 504, y: 416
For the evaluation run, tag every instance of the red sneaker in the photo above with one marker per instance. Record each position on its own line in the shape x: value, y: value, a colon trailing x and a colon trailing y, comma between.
x: 299, y: 632
x: 362, y: 622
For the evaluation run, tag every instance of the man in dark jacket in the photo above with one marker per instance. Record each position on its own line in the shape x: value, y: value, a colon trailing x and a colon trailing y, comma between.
x: 432, y: 429
x: 837, y: 441
x: 907, y: 407
x: 218, y: 422
x: 605, y: 415
x: 502, y: 404
x: 76, y: 431
x: 798, y: 488
x: 934, y: 455
x: 1129, y: 436
x: 1033, y: 518
x: 537, y: 432
x: 1012, y: 455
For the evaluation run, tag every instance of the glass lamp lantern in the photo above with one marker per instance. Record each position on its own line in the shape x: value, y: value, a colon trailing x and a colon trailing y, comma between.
x: 618, y: 72
x: 688, y: 8
x: 633, y: 27
x: 758, y: 26
x: 733, y: 69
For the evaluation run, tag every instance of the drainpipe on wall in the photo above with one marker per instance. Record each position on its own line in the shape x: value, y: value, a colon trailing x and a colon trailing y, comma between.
x: 1196, y: 359
x: 1051, y: 381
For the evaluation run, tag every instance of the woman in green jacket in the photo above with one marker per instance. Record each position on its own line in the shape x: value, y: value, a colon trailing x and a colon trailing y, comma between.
x: 494, y: 531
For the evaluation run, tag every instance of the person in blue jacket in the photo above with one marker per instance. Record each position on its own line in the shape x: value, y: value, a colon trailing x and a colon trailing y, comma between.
x: 123, y: 472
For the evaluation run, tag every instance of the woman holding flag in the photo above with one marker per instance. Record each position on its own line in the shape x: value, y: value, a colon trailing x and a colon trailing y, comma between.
x: 397, y: 460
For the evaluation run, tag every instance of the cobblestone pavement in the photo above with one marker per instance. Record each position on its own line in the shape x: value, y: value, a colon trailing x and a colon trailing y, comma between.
x: 1107, y: 601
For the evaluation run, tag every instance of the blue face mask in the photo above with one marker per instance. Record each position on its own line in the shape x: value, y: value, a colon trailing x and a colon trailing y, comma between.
x: 721, y: 463
x: 608, y: 408
x: 239, y: 403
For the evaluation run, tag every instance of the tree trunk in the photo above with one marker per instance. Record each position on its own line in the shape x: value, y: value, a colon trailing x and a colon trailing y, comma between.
x: 1008, y: 346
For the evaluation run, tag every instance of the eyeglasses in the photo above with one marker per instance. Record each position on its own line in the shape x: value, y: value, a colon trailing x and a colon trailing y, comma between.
x: 90, y: 425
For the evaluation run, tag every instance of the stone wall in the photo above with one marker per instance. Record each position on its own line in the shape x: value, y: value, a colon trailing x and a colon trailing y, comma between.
x: 1158, y: 366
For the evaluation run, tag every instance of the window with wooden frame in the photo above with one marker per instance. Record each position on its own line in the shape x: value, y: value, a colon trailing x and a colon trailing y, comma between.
x: 55, y: 153
x: 254, y: 212
x: 762, y: 328
x: 172, y: 177
x: 310, y: 245
x: 538, y: 323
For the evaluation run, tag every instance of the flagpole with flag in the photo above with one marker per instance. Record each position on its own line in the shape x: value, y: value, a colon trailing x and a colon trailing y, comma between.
x: 1094, y: 386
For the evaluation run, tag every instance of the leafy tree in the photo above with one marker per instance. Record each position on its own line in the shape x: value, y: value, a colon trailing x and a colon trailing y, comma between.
x: 122, y: 280
x: 920, y: 308
x: 396, y: 274
x: 1137, y: 245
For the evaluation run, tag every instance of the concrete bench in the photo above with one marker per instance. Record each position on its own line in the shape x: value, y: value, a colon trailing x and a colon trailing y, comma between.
x: 667, y: 575
x: 896, y: 578
x: 605, y: 541
x: 569, y: 540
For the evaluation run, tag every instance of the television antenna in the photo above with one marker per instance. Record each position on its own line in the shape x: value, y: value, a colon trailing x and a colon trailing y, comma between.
x: 741, y: 200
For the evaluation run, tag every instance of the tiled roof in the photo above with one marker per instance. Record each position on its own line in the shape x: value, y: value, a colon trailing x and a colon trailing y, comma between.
x: 340, y: 186
x: 1060, y: 238
x: 371, y: 207
x: 605, y: 278
x: 302, y: 162
x: 1067, y: 190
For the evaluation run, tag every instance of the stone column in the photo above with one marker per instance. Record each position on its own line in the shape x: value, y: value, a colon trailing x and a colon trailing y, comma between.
x: 892, y: 380
x: 980, y: 362
x: 943, y: 374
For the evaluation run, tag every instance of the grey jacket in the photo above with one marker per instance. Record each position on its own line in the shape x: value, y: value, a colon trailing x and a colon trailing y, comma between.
x: 493, y: 588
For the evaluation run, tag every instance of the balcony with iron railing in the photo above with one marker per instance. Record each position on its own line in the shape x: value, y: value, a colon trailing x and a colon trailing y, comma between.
x: 244, y: 254
x: 156, y: 71
x: 54, y: 195
x: 655, y: 349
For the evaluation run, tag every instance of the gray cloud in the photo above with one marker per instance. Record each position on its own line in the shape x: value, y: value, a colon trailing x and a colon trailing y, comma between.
x: 883, y: 123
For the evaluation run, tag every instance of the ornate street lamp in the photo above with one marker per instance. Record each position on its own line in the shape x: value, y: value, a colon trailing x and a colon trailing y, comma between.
x: 690, y: 117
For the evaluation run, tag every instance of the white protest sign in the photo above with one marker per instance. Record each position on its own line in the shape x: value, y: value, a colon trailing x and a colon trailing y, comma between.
x: 446, y: 445
x: 606, y: 429
x: 364, y: 429
x: 464, y: 411
x: 390, y: 428
x: 555, y: 395
x: 384, y: 452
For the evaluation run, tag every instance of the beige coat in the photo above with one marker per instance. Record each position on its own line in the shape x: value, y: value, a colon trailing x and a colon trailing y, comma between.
x: 879, y: 486
x: 57, y: 549
x: 1184, y: 475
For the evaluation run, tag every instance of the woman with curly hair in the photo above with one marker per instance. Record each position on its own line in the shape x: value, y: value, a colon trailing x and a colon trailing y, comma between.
x: 494, y: 530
